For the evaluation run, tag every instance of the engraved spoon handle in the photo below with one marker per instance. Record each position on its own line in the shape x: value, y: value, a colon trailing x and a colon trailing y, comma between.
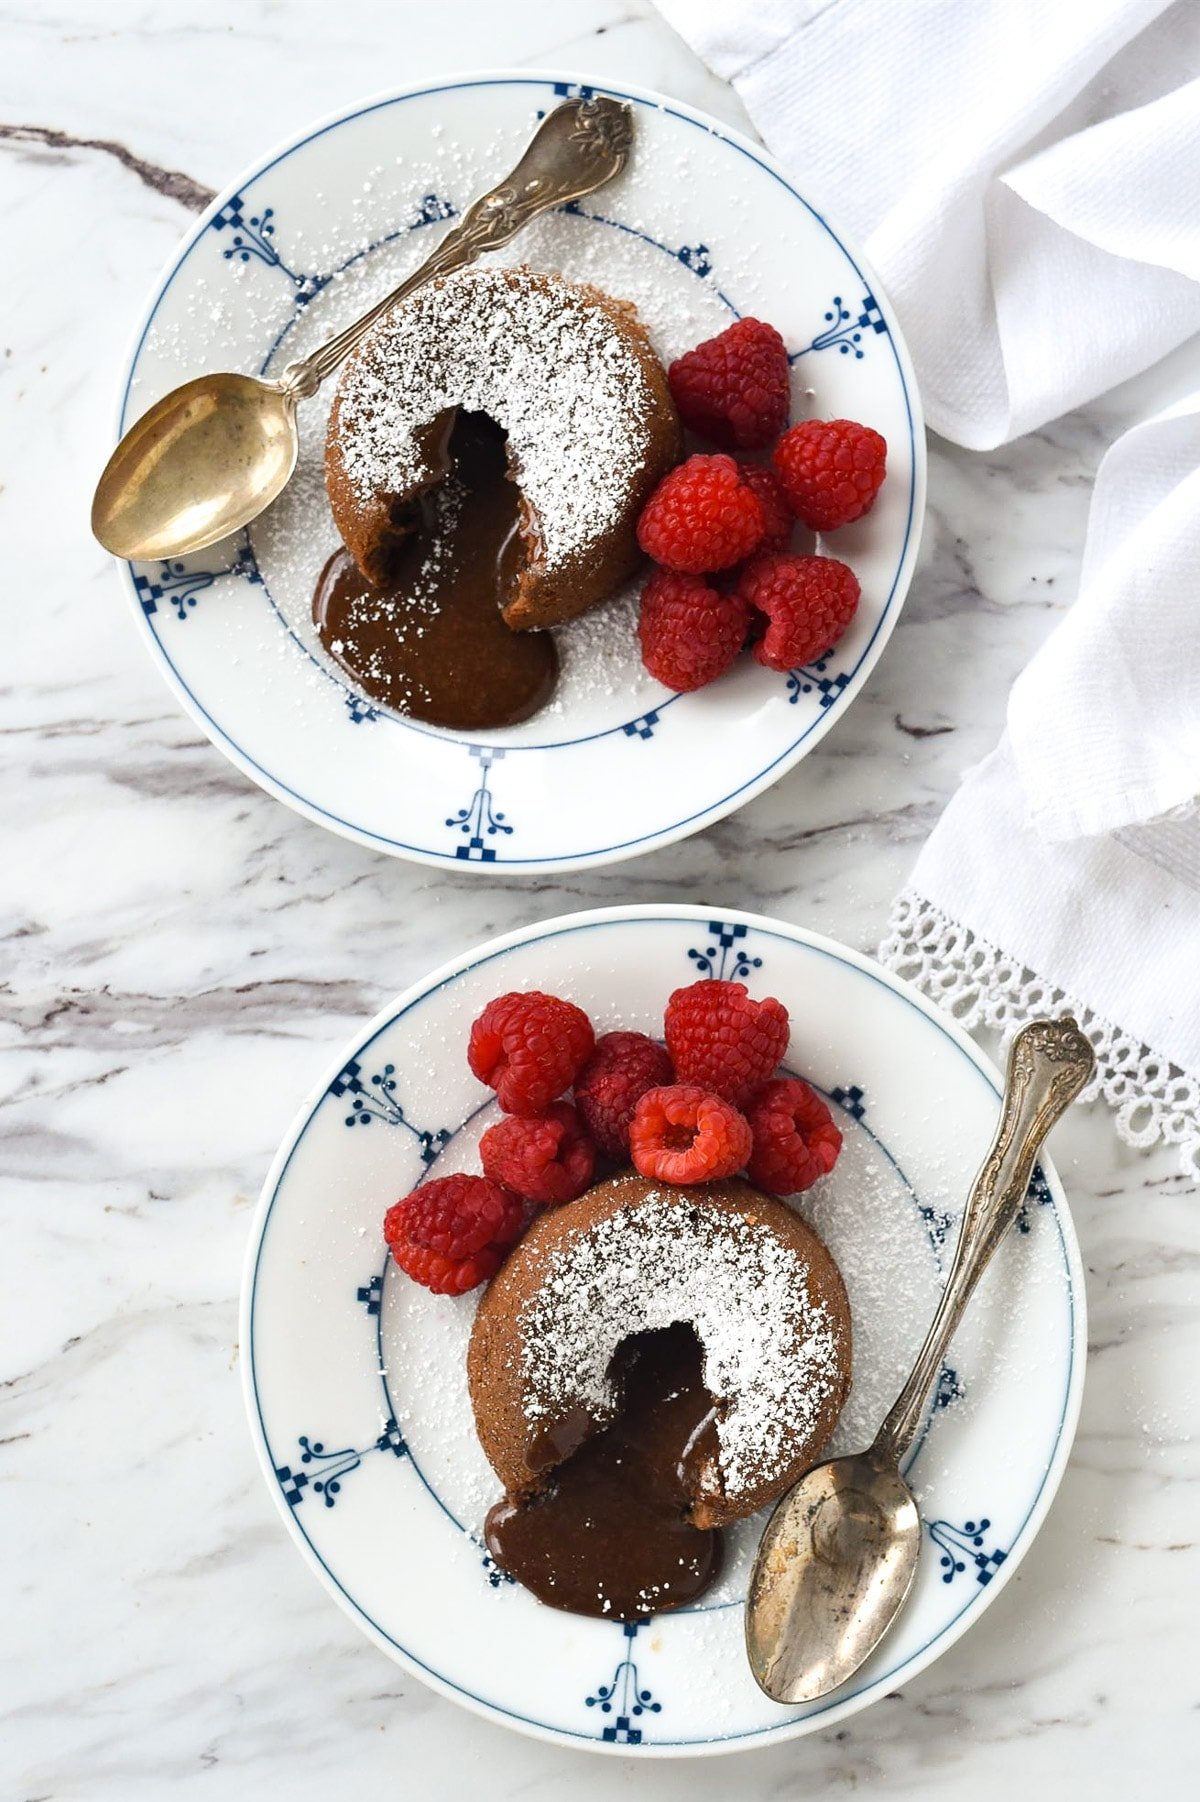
x: 575, y: 150
x: 1049, y: 1063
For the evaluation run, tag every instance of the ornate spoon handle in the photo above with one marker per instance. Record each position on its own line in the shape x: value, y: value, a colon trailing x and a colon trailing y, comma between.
x: 1049, y: 1063
x: 575, y: 150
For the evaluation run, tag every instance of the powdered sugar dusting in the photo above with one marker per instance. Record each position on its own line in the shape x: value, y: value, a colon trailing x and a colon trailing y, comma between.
x: 535, y: 354
x: 766, y: 1343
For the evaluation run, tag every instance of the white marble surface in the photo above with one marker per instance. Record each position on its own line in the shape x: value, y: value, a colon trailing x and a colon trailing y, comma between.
x: 181, y: 954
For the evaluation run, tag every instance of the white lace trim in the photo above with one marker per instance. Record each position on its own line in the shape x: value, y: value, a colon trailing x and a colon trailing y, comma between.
x: 1152, y: 1098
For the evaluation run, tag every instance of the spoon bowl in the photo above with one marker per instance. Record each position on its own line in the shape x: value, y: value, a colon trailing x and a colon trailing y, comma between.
x: 202, y: 463
x: 836, y: 1563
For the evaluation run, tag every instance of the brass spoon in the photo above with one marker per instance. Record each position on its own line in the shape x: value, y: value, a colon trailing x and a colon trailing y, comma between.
x: 210, y: 456
x: 839, y: 1553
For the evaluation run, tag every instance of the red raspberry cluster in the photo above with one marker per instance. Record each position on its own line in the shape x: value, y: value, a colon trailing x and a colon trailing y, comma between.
x: 703, y: 1107
x: 727, y: 1110
x: 720, y: 526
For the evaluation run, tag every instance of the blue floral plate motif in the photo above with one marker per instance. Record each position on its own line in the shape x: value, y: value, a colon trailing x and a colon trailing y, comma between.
x: 355, y: 1377
x: 619, y: 764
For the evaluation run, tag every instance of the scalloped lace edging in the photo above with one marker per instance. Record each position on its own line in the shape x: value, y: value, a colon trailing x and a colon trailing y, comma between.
x: 1152, y: 1098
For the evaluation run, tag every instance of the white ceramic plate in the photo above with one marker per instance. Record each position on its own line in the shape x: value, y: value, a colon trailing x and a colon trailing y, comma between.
x: 355, y: 1377
x: 700, y: 228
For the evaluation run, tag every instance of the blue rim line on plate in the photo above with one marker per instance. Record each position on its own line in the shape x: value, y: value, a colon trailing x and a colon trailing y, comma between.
x: 843, y: 1702
x: 713, y: 811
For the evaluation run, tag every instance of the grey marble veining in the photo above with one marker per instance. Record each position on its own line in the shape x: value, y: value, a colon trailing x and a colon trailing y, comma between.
x: 181, y: 955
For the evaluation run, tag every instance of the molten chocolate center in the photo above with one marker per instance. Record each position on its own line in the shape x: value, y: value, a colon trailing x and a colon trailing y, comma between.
x: 609, y: 1535
x: 431, y: 643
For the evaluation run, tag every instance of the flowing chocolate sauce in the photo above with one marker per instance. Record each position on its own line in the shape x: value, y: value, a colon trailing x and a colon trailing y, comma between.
x: 431, y: 643
x: 609, y: 1534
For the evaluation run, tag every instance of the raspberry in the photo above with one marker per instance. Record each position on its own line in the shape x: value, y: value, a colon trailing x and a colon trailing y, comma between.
x: 612, y: 1082
x: 451, y: 1234
x: 777, y: 515
x: 684, y: 1134
x: 795, y: 1140
x: 719, y: 1037
x: 690, y: 633
x: 701, y: 517
x: 831, y: 470
x: 734, y: 389
x: 808, y: 601
x: 548, y: 1161
x: 529, y: 1048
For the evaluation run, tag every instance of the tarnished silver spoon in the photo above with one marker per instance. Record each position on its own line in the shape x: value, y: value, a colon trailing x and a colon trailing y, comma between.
x: 210, y: 456
x: 839, y: 1553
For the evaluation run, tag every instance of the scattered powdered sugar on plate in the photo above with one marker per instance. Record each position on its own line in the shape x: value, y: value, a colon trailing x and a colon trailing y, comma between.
x: 599, y: 663
x: 872, y: 1223
x: 770, y: 1349
x: 677, y: 307
x: 424, y: 1339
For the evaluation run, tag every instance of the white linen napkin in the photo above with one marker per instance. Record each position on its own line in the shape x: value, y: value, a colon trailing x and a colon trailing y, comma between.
x: 1105, y: 721
x: 1024, y: 179
x: 1022, y: 175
